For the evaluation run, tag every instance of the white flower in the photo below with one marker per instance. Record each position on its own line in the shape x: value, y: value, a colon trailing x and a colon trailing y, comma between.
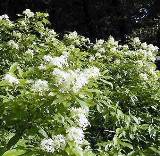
x: 79, y: 114
x: 92, y: 72
x: 60, y: 61
x: 98, y: 55
x: 143, y: 76
x: 57, y: 61
x: 13, y: 44
x: 17, y: 34
x: 59, y: 142
x: 80, y: 81
x: 73, y: 35
x: 52, y: 32
x: 48, y: 145
x: 144, y: 45
x: 83, y: 121
x: 101, y: 50
x: 75, y: 134
x: 79, y: 110
x: 51, y: 94
x: 40, y: 85
x: 136, y: 40
x: 139, y: 63
x: 11, y: 79
x: 125, y: 46
x: 5, y: 16
x: 55, y: 144
x: 76, y: 79
x: 83, y: 39
x: 113, y: 49
x: 117, y: 61
x: 63, y: 76
x: 112, y: 42
x: 151, y: 47
x: 28, y: 13
x: 92, y: 58
x: 47, y: 58
x: 30, y: 52
x: 98, y: 44
x: 82, y: 78
x: 42, y: 67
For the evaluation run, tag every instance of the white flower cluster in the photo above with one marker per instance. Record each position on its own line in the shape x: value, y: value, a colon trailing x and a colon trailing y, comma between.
x: 13, y: 44
x: 143, y: 50
x: 76, y: 79
x: 57, y: 61
x: 75, y: 134
x: 4, y: 17
x: 143, y: 76
x: 52, y: 33
x: 47, y: 145
x: 55, y: 144
x: 40, y: 86
x: 79, y: 114
x: 144, y: 45
x: 11, y: 79
x: 123, y: 47
x: 98, y: 44
x: 72, y: 36
x: 91, y: 58
x: 29, y: 52
x: 136, y: 41
x: 112, y: 42
x: 149, y: 47
x: 28, y: 13
x: 59, y: 142
x: 98, y: 55
x: 42, y: 67
x: 17, y: 34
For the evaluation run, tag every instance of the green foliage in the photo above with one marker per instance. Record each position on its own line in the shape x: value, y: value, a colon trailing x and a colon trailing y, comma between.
x: 73, y: 97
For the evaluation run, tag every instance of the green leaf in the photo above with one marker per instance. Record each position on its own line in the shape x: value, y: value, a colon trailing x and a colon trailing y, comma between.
x: 126, y: 144
x: 13, y: 67
x: 107, y: 83
x: 20, y: 72
x: 155, y: 150
x: 14, y: 152
x: 81, y: 102
x: 42, y: 132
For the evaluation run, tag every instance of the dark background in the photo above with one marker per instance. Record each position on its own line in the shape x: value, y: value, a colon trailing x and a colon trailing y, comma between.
x: 96, y: 18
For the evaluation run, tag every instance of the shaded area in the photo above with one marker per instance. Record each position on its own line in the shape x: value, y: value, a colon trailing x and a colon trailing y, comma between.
x: 92, y: 18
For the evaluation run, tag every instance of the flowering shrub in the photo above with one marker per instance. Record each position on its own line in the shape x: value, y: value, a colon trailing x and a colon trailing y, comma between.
x: 73, y: 97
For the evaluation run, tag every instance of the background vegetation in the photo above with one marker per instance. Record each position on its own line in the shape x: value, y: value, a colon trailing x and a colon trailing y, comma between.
x: 68, y: 96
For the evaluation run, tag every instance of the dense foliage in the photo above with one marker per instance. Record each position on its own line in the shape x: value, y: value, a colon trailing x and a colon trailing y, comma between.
x: 73, y: 97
